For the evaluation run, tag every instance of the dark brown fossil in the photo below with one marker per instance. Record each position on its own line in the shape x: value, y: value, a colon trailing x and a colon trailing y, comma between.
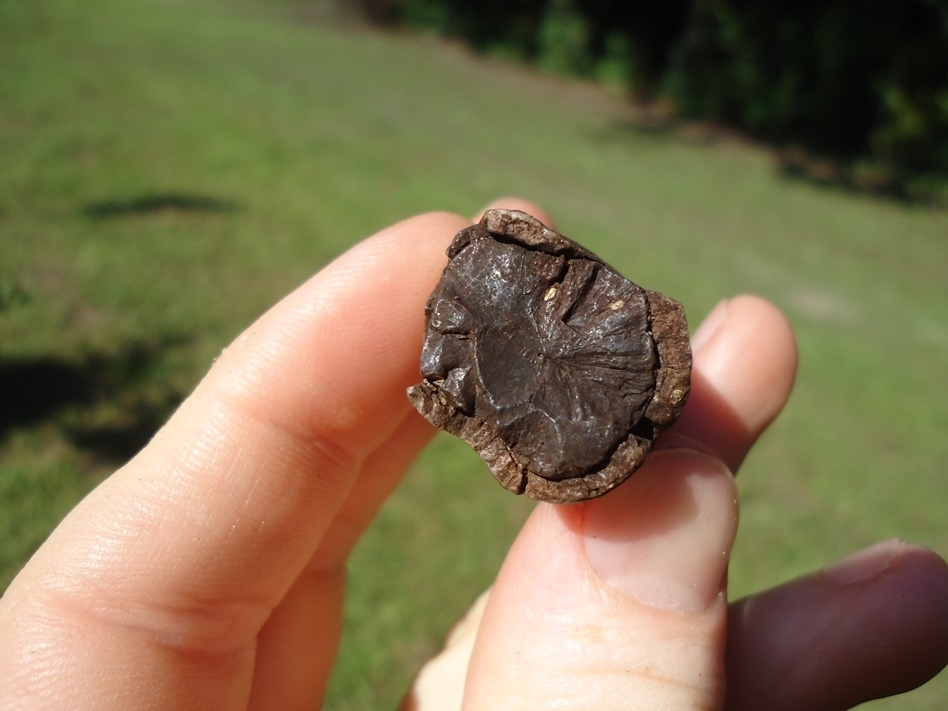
x: 556, y: 369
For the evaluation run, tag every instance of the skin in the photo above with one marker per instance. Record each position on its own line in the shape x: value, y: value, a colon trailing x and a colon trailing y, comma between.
x: 209, y: 571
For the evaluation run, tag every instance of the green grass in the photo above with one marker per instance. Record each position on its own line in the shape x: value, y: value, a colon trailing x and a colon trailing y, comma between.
x: 169, y: 169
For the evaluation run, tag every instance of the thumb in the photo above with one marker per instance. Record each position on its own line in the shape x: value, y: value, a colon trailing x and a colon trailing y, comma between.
x: 616, y: 603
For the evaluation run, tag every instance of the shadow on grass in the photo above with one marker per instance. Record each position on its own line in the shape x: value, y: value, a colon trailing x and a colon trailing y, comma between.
x: 792, y: 163
x: 799, y: 165
x: 158, y: 203
x: 106, y: 404
x: 644, y: 126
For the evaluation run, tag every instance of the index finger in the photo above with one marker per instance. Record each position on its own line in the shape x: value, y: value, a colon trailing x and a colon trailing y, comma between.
x: 183, y: 553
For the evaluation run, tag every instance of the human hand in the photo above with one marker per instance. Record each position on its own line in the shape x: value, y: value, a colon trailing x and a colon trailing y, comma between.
x: 209, y: 571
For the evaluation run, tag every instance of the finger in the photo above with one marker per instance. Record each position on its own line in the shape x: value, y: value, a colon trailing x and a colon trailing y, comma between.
x: 290, y: 669
x: 515, y: 203
x: 614, y: 603
x: 298, y: 643
x: 629, y: 588
x: 869, y: 627
x: 290, y: 666
x: 171, y: 567
x: 745, y: 360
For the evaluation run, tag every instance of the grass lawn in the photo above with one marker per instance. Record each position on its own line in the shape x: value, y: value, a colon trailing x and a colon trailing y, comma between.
x: 168, y: 169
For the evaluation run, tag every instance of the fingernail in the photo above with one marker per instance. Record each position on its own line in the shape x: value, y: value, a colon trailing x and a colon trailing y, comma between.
x: 664, y: 537
x: 865, y: 565
x: 712, y: 322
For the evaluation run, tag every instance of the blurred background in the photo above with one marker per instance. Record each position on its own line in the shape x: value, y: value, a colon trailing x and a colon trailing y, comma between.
x: 170, y: 168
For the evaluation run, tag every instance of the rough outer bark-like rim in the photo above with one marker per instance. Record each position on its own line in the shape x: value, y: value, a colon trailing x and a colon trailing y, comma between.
x: 669, y: 329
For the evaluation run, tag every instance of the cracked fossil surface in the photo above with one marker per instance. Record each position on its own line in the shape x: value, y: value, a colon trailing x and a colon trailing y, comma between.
x: 556, y: 369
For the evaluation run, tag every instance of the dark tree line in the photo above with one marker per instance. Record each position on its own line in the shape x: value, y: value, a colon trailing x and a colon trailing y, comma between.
x: 853, y: 79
